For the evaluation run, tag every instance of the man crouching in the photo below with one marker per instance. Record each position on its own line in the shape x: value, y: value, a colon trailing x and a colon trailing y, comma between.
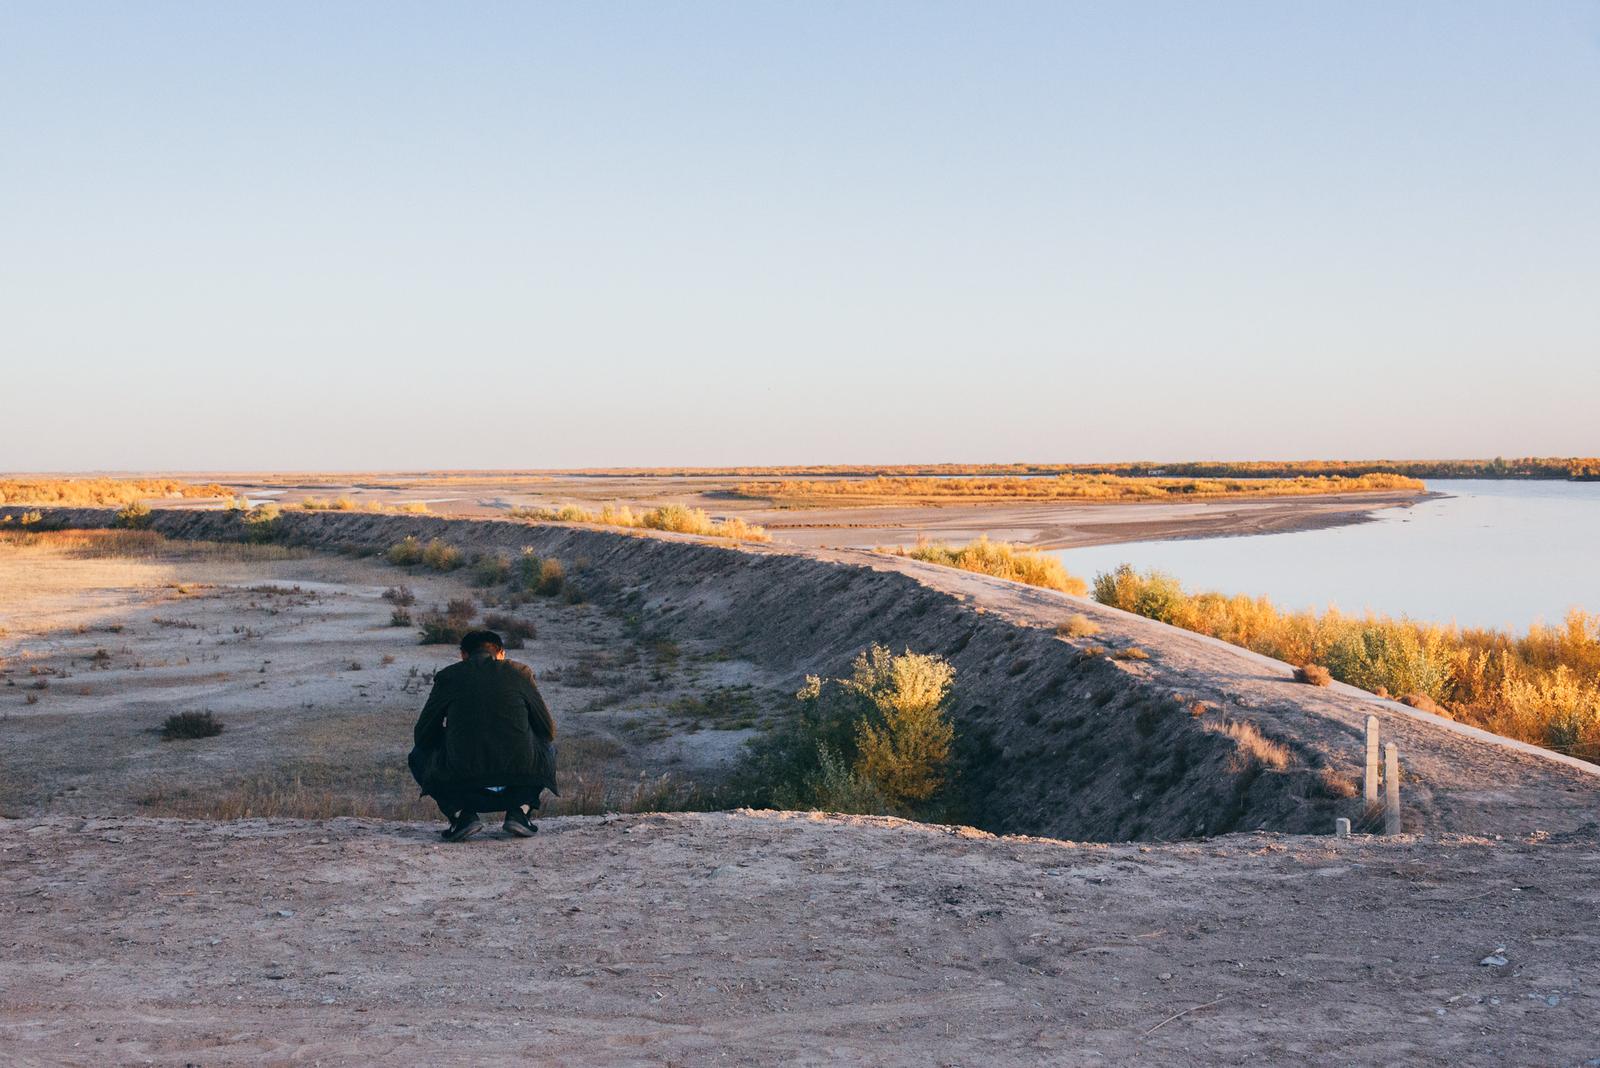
x: 485, y: 741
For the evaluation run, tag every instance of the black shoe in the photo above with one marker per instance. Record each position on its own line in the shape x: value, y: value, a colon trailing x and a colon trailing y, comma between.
x: 517, y: 823
x: 464, y: 826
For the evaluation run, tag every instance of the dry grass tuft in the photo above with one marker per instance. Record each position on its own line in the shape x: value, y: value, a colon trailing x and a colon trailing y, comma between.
x: 1253, y: 746
x: 1423, y: 703
x: 1336, y: 785
x: 302, y: 790
x: 1313, y: 675
x: 1077, y: 625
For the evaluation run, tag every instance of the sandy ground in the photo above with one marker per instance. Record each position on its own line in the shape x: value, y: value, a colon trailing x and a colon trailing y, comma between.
x: 1054, y: 526
x: 743, y: 938
x: 761, y: 939
x: 295, y: 653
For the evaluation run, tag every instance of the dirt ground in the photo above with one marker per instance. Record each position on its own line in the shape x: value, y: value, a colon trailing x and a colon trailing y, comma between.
x: 762, y: 938
x: 295, y: 653
x: 737, y: 938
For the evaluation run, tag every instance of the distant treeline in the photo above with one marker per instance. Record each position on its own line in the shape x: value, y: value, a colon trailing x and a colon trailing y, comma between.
x: 101, y: 492
x: 1079, y: 487
x: 1525, y: 467
x: 1555, y: 467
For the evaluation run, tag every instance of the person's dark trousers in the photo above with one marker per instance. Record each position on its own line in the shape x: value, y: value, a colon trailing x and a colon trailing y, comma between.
x: 454, y: 802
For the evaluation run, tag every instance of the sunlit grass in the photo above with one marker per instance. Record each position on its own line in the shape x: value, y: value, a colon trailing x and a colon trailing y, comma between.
x: 1003, y: 560
x: 142, y: 544
x: 101, y: 492
x: 672, y: 517
x: 1542, y: 687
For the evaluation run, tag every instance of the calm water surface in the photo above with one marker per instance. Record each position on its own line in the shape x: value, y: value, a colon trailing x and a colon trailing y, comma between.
x: 1494, y: 554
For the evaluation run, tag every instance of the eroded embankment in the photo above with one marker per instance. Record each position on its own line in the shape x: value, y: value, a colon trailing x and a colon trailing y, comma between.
x: 1052, y: 740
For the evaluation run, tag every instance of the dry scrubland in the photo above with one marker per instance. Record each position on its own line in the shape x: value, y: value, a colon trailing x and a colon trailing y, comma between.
x: 96, y: 492
x: 311, y: 663
x: 1070, y: 487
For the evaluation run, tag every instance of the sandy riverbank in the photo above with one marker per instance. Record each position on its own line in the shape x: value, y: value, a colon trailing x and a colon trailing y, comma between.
x: 1051, y: 525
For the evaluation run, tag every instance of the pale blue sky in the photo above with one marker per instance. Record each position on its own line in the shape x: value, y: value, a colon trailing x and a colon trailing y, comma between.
x: 386, y: 235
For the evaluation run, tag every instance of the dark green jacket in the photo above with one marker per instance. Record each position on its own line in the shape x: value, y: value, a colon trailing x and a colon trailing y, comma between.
x: 484, y: 725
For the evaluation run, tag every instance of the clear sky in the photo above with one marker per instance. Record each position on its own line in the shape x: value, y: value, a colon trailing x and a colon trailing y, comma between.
x: 391, y: 235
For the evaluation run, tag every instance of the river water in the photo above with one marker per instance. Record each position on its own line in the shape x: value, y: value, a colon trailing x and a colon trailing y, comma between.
x: 1490, y: 554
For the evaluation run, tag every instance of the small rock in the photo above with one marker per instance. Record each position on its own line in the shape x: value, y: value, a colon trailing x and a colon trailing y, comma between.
x: 1165, y: 977
x: 1552, y: 1000
x: 1494, y: 960
x: 286, y: 913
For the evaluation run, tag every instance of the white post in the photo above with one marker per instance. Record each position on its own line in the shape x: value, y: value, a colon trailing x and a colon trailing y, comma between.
x: 1341, y: 828
x: 1391, y: 789
x: 1372, y: 764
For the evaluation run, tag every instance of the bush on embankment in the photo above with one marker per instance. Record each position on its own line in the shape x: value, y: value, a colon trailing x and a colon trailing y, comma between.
x: 672, y: 517
x: 1002, y: 560
x: 1543, y: 687
x: 877, y: 742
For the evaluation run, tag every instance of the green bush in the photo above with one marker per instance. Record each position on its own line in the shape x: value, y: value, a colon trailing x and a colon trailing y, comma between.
x: 262, y: 523
x: 437, y: 628
x: 878, y: 740
x: 135, y: 515
x: 441, y: 556
x: 525, y: 573
x: 834, y: 787
x: 449, y: 625
x: 904, y: 749
x: 1404, y: 661
x: 491, y: 570
x: 191, y: 725
x: 1155, y: 594
x: 405, y: 552
x: 552, y: 576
